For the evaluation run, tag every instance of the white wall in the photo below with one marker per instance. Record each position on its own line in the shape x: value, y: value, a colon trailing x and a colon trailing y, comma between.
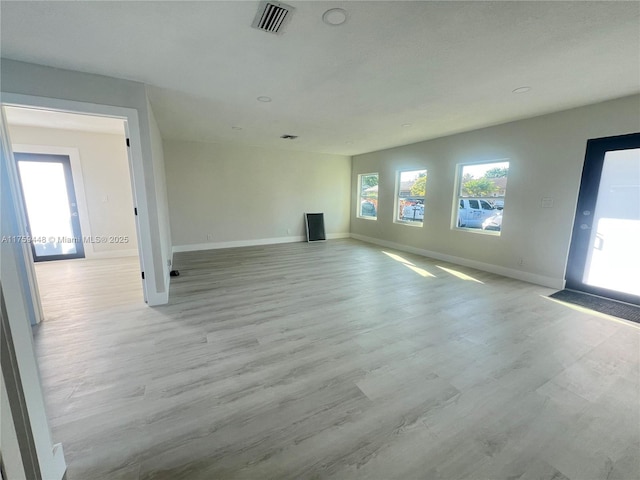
x: 546, y: 155
x: 162, y: 202
x: 242, y: 195
x: 104, y: 171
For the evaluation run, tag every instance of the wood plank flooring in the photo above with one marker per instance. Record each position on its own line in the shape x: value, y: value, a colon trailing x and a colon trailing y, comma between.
x: 333, y: 360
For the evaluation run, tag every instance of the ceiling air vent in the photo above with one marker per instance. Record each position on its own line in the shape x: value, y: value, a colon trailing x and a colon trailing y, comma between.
x: 289, y: 137
x: 272, y: 16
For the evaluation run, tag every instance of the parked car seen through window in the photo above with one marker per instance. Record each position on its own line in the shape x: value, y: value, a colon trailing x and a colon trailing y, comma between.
x: 481, y: 195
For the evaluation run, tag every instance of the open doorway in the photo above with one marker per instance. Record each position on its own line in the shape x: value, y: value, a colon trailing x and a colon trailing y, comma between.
x: 75, y: 342
x: 75, y: 178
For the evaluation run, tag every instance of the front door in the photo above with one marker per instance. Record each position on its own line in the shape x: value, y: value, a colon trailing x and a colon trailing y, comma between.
x: 50, y: 203
x: 604, y: 258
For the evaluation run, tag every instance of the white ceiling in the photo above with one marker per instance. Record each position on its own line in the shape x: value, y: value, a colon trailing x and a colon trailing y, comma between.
x: 443, y: 67
x: 67, y: 121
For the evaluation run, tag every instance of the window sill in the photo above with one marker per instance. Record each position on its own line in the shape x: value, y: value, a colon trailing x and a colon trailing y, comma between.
x: 409, y: 224
x: 367, y: 218
x: 492, y: 233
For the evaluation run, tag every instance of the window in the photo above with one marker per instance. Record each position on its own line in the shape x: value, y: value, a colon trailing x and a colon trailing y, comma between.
x: 410, y: 194
x: 368, y: 196
x: 481, y: 191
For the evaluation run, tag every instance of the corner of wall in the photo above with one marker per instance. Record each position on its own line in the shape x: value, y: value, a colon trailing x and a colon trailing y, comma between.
x: 161, y: 201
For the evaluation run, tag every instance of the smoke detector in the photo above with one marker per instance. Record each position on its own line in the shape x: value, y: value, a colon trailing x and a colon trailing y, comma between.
x: 334, y: 17
x: 272, y: 16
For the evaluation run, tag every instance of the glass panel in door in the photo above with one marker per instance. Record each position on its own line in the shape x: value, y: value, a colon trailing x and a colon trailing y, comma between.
x: 52, y: 213
x: 613, y: 258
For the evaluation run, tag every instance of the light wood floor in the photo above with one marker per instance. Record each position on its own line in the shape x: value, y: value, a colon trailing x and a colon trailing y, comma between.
x: 333, y: 360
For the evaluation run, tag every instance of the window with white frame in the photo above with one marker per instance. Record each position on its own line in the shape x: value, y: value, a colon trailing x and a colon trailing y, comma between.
x: 368, y: 196
x: 411, y: 187
x: 481, y: 190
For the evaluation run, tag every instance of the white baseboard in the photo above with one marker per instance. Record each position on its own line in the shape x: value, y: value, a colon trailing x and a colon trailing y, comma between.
x: 249, y: 243
x: 550, y: 282
x: 335, y: 236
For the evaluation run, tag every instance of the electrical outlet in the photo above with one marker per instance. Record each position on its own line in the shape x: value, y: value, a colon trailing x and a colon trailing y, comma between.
x: 520, y: 261
x: 210, y: 236
x: 288, y: 231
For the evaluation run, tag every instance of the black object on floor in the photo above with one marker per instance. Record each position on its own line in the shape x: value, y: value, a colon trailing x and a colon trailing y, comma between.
x: 315, y: 227
x: 599, y: 304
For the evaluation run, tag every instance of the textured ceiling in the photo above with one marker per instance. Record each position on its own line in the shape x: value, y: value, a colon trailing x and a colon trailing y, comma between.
x: 443, y: 67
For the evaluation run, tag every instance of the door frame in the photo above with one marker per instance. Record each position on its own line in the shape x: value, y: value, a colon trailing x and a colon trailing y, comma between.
x: 71, y: 197
x: 587, y: 198
x: 136, y: 171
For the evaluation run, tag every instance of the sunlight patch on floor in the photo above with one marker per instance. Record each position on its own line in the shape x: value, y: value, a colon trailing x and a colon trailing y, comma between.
x: 460, y: 275
x: 420, y: 271
x: 411, y: 266
x: 397, y: 258
x: 595, y: 313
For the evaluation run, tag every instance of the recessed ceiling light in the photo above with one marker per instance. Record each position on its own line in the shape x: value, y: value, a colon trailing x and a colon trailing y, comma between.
x: 334, y: 17
x: 406, y: 125
x: 522, y: 90
x: 264, y: 99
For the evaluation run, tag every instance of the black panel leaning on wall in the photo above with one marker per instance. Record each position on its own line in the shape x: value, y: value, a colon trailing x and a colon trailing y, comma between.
x: 315, y: 227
